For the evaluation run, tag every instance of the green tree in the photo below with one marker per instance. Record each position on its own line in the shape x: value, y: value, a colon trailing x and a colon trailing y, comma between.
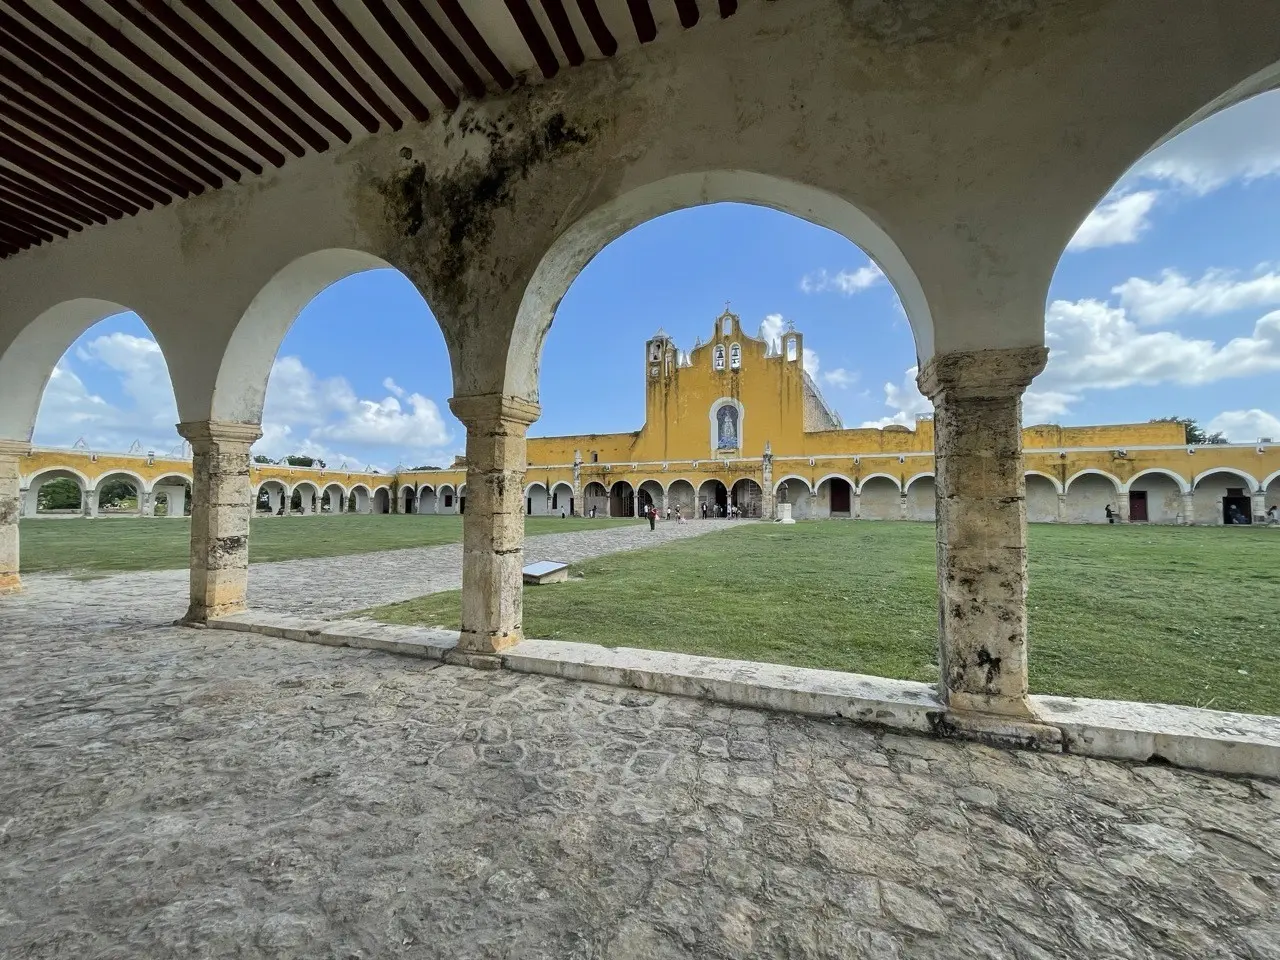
x: 115, y: 492
x: 1196, y: 434
x: 301, y: 460
x: 260, y: 458
x: 61, y: 494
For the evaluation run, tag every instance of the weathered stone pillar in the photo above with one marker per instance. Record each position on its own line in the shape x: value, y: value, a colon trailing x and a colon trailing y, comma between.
x: 221, y: 505
x: 146, y: 505
x: 11, y: 503
x: 982, y: 525
x: 1062, y: 507
x: 855, y: 505
x: 492, y: 526
x: 577, y: 483
x: 1259, y: 501
x: 89, y: 503
x: 767, y: 504
x: 1188, y: 508
x: 1122, y: 506
x: 902, y: 506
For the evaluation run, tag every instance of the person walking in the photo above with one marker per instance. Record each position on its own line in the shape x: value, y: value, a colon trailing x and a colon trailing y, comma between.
x: 652, y: 514
x: 1111, y: 514
x: 704, y: 509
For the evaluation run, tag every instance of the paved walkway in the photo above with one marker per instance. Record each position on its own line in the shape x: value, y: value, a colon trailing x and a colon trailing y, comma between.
x: 181, y: 793
x: 323, y: 586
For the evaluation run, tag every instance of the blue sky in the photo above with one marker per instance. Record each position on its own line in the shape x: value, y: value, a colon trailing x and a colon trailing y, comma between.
x: 1167, y: 303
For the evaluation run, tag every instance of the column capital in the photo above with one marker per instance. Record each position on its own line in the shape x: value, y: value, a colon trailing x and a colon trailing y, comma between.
x: 219, y: 431
x: 483, y: 407
x: 15, y: 448
x: 979, y: 374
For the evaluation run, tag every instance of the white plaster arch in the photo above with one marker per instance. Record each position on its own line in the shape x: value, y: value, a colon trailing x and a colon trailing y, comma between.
x: 27, y: 363
x: 382, y: 486
x: 335, y: 483
x: 1115, y: 481
x: 68, y: 472
x: 794, y: 476
x: 241, y: 385
x: 1057, y: 484
x: 1253, y: 484
x: 874, y: 476
x: 919, y: 476
x: 168, y: 478
x: 667, y: 489
x: 307, y: 483
x: 358, y: 486
x: 272, y: 480
x: 577, y: 245
x: 535, y: 483
x: 1267, y: 482
x: 135, y: 478
x: 425, y: 486
x: 562, y: 491
x: 853, y: 487
x: 1183, y: 486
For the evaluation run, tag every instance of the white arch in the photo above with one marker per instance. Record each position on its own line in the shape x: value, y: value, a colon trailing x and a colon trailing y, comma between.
x: 382, y: 486
x: 1115, y: 481
x: 139, y: 484
x: 1267, y: 482
x: 241, y: 384
x: 536, y: 483
x: 1231, y: 470
x: 1183, y: 486
x: 359, y: 486
x: 674, y: 480
x: 306, y: 483
x: 562, y: 483
x: 620, y: 480
x: 793, y: 476
x: 30, y: 479
x: 874, y: 476
x: 585, y: 238
x: 738, y: 480
x: 1057, y: 484
x: 840, y: 476
x: 919, y: 476
x: 185, y: 478
x: 334, y: 483
x: 425, y: 486
x: 27, y: 362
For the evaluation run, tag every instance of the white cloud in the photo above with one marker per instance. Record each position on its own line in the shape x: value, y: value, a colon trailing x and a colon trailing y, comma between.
x: 840, y: 378
x: 1046, y: 406
x: 395, y: 388
x: 846, y: 282
x: 771, y: 331
x: 1217, y: 292
x: 1117, y: 220
x: 1242, y: 143
x: 906, y: 400
x: 811, y: 362
x: 1245, y: 426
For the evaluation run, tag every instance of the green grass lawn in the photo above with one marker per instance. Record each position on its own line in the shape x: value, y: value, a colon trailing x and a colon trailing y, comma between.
x: 1164, y: 614
x: 131, y: 543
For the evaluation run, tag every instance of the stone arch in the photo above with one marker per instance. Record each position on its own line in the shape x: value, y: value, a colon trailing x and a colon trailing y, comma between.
x: 407, y: 498
x: 1054, y: 481
x: 306, y: 493
x: 595, y: 497
x: 1155, y: 495
x: 381, y: 499
x: 1183, y: 485
x: 922, y: 497
x: 536, y: 499
x: 447, y: 498
x: 1041, y: 493
x: 1088, y: 493
x: 133, y: 479
x: 714, y: 495
x: 795, y: 490
x: 428, y: 500
x: 748, y: 496
x: 462, y: 498
x: 277, y: 494
x: 1212, y: 500
x: 35, y: 481
x: 622, y: 499
x: 682, y: 496
x: 575, y: 247
x: 562, y: 499
x: 650, y: 492
x: 336, y: 495
x: 833, y: 496
x: 170, y: 494
x: 1271, y: 491
x: 880, y: 497
x: 240, y: 386
x: 359, y: 500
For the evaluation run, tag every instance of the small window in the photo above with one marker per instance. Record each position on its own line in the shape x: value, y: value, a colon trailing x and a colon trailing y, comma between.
x: 727, y: 326
x: 791, y: 348
x: 719, y: 357
x: 595, y: 457
x: 735, y: 357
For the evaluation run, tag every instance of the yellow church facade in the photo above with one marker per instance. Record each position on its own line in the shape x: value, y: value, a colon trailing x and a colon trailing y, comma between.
x: 737, y: 427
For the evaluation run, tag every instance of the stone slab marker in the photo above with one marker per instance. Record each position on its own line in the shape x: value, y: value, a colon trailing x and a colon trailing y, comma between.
x: 982, y: 525
x: 221, y: 505
x: 493, y: 525
x: 11, y: 451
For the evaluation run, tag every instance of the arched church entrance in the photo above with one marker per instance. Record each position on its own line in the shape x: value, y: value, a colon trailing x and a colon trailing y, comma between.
x: 713, y: 499
x: 748, y: 498
x: 650, y: 494
x: 622, y: 500
x: 681, y: 496
x: 562, y: 500
x: 595, y: 500
x: 535, y: 500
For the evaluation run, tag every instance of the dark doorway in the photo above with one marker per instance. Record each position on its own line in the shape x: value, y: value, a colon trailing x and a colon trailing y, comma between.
x: 841, y: 495
x: 1236, y: 507
x: 1137, y: 506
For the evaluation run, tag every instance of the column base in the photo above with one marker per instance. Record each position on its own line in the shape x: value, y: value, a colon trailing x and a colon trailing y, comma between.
x: 486, y: 644
x: 997, y: 730
x: 10, y: 583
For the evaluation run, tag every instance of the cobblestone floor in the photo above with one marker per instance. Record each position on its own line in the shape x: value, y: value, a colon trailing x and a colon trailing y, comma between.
x: 182, y: 793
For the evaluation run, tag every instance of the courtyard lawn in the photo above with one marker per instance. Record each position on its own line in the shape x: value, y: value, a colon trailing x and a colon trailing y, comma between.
x: 1163, y: 614
x: 132, y: 543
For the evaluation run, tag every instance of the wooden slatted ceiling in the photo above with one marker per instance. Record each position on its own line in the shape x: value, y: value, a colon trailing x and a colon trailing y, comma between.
x: 109, y: 107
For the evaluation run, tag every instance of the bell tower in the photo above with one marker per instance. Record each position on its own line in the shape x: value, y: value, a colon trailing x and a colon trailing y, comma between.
x: 660, y: 362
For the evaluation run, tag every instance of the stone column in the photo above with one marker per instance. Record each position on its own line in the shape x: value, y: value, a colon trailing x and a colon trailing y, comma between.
x: 982, y: 525
x: 1259, y: 500
x: 1122, y: 506
x: 577, y: 483
x: 1062, y: 507
x: 1188, y: 508
x: 89, y: 503
x: 855, y: 505
x: 146, y: 505
x: 221, y: 505
x: 767, y: 504
x: 492, y: 527
x: 11, y: 502
x: 29, y: 498
x: 902, y: 506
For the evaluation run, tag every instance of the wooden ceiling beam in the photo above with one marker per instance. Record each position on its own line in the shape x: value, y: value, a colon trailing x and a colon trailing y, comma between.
x: 116, y: 39
x: 127, y: 118
x: 383, y: 70
x: 688, y: 10
x: 17, y: 217
x: 25, y: 202
x: 564, y: 32
x: 67, y: 111
x: 116, y: 179
x: 186, y: 132
x: 293, y: 10
x: 264, y: 64
x: 89, y: 192
x: 410, y: 50
x: 214, y: 76
x: 642, y: 17
x: 600, y: 32
x: 534, y: 38
x: 448, y: 50
x: 477, y: 44
x: 15, y: 239
x: 38, y: 191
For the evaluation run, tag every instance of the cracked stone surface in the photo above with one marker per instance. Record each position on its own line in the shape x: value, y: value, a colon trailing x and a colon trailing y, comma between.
x: 167, y: 792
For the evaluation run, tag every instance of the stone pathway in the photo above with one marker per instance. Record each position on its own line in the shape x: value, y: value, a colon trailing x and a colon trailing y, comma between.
x: 196, y: 793
x: 324, y: 586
